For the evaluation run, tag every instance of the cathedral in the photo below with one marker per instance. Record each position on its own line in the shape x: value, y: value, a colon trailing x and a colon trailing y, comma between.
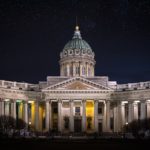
x: 77, y: 101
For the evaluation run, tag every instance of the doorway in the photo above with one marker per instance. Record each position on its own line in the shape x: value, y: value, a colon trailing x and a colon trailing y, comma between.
x: 100, y: 127
x: 77, y: 125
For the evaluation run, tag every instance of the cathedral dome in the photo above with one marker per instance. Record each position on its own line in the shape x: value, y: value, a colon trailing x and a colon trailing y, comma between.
x: 77, y: 57
x: 77, y: 46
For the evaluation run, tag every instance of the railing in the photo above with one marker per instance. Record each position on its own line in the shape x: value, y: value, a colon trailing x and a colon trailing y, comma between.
x: 134, y: 86
x: 16, y: 85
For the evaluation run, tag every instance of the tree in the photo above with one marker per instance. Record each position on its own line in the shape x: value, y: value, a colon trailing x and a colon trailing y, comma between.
x: 137, y: 125
x: 8, y: 122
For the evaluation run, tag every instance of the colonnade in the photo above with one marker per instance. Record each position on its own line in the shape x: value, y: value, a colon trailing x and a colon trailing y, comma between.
x: 129, y: 111
x: 29, y: 111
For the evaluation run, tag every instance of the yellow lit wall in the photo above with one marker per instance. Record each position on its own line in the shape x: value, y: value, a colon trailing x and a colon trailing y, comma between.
x: 90, y: 111
x: 33, y: 114
x: 20, y: 110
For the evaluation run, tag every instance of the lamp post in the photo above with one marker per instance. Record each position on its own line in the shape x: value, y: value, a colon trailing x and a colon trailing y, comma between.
x: 29, y: 125
x: 126, y: 126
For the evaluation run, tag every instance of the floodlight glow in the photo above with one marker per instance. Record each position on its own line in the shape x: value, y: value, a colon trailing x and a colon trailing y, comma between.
x: 31, y: 102
x: 124, y: 102
x: 7, y: 100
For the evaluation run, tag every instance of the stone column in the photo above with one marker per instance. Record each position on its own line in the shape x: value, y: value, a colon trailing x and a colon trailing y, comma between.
x: 86, y: 69
x: 130, y: 112
x: 96, y: 115
x: 143, y: 110
x: 80, y: 68
x: 122, y: 114
x: 36, y: 115
x: 104, y: 118
x: 135, y: 111
x: 26, y: 112
x: 83, y: 115
x: 71, y: 117
x: 59, y: 116
x: 119, y: 117
x: 68, y: 70
x: 50, y: 115
x: 148, y: 110
x: 108, y: 115
x: 13, y: 109
x: 47, y: 115
x: 7, y: 108
x: 1, y: 108
x: 62, y: 70
x: 115, y: 111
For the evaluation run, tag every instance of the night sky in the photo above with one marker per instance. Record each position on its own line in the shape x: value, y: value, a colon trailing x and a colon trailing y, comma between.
x: 34, y: 32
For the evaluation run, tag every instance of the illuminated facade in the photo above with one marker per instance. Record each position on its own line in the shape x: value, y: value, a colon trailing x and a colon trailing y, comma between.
x: 77, y: 100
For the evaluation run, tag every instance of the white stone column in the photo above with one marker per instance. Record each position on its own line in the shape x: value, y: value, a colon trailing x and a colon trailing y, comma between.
x: 50, y: 115
x: 96, y: 115
x: 47, y: 117
x: 87, y: 69
x: 73, y: 65
x: 148, y: 110
x: 71, y: 116
x: 59, y: 116
x: 36, y: 115
x: 7, y: 108
x: 68, y: 70
x: 119, y: 117
x: 143, y: 110
x: 130, y: 112
x: 13, y: 109
x: 26, y: 112
x: 80, y: 69
x: 104, y: 118
x: 115, y: 119
x: 108, y: 115
x: 1, y: 108
x: 122, y: 114
x: 83, y: 115
x: 135, y: 111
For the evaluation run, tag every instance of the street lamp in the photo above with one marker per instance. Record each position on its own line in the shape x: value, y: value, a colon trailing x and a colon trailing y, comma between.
x: 29, y: 125
x: 126, y: 126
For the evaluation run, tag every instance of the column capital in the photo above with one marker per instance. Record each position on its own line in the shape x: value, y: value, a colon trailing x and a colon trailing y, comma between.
x: 96, y: 101
x: 13, y: 100
x: 130, y: 102
x: 83, y: 101
x: 47, y: 101
x: 25, y: 102
x: 59, y: 100
x: 148, y: 101
x: 71, y: 100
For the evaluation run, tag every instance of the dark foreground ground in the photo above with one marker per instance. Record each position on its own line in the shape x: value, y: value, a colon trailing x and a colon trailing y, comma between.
x: 49, y: 144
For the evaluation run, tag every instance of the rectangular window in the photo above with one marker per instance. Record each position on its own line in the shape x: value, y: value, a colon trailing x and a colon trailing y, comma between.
x: 77, y: 110
x: 55, y: 110
x: 100, y: 108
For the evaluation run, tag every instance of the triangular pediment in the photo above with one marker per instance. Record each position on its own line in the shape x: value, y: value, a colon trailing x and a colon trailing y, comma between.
x: 77, y: 83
